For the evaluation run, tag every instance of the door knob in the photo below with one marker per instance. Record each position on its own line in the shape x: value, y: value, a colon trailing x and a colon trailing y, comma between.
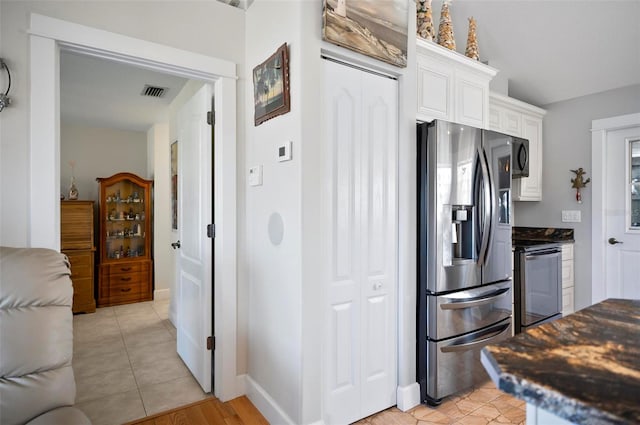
x: 175, y: 245
x: 377, y: 285
x: 613, y: 241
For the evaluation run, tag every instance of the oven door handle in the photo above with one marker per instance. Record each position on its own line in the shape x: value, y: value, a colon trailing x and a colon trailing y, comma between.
x: 537, y: 255
x: 481, y: 342
x: 476, y: 301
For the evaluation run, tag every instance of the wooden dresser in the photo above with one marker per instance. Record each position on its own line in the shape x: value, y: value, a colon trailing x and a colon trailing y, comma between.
x: 76, y: 242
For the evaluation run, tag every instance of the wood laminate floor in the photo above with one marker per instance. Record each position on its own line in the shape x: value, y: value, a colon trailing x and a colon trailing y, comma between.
x: 239, y: 411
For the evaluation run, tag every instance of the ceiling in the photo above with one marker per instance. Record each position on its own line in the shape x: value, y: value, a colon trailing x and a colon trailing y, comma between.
x: 553, y: 50
x: 101, y: 93
x: 549, y: 50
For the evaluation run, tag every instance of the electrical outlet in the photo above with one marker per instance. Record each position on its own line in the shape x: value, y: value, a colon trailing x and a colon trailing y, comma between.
x: 571, y: 216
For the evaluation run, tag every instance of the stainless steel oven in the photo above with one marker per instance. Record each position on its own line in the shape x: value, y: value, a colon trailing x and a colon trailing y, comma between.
x: 538, y: 284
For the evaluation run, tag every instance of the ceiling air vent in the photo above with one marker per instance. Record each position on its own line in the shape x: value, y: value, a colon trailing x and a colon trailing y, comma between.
x: 153, y: 91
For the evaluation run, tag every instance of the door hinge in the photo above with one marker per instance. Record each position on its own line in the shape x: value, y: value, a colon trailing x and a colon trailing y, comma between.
x: 211, y: 230
x: 211, y: 117
x: 211, y: 343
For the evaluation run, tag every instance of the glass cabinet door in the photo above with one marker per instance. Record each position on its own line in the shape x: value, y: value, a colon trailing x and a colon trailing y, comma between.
x: 125, y: 220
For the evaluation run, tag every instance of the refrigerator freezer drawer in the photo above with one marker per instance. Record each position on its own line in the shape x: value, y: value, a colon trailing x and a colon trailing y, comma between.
x: 461, y: 312
x: 454, y: 364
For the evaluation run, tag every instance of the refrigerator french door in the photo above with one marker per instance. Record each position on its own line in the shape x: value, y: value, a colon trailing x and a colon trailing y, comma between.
x: 464, y: 251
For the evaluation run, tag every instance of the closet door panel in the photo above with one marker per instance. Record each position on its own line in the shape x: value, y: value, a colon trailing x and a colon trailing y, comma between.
x: 361, y: 130
x: 378, y: 243
x: 342, y: 119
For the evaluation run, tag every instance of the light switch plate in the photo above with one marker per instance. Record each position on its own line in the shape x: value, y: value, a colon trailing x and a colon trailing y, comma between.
x: 255, y: 176
x: 571, y: 216
x: 284, y: 152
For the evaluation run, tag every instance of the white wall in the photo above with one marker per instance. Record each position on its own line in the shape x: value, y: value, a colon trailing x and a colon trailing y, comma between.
x: 99, y: 152
x: 567, y: 146
x: 275, y: 280
x: 159, y: 171
x: 286, y: 286
x: 211, y: 28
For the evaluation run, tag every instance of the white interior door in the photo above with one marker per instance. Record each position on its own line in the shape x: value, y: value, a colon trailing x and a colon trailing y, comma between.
x: 622, y: 214
x: 194, y: 268
x: 360, y: 119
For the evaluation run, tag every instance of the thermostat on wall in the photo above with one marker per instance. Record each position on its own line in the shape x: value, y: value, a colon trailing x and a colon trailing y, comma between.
x: 284, y: 152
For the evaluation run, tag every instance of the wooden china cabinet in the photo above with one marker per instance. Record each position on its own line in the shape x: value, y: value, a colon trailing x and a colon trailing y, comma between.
x: 125, y: 272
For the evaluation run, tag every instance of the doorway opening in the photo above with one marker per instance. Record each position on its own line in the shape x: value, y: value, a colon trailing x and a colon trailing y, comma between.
x: 48, y: 36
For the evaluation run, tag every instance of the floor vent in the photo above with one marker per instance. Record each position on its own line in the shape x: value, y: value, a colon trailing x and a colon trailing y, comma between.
x: 153, y: 91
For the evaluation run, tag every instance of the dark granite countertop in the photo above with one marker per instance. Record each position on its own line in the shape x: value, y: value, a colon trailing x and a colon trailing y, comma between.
x: 584, y: 367
x: 547, y: 234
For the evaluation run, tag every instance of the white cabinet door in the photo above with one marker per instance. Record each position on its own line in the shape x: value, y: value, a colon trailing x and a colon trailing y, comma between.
x: 435, y: 90
x: 567, y: 279
x: 361, y: 129
x: 505, y: 121
x: 530, y: 188
x: 472, y: 99
x: 511, y: 122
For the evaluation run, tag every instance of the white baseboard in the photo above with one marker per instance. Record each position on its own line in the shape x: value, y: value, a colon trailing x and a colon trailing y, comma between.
x: 408, y: 396
x: 265, y: 404
x: 161, y: 294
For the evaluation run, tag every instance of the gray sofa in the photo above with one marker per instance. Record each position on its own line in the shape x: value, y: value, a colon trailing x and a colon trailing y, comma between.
x: 36, y: 339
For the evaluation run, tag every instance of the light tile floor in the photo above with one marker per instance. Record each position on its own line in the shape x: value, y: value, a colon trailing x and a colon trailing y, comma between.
x: 126, y: 366
x: 478, y: 406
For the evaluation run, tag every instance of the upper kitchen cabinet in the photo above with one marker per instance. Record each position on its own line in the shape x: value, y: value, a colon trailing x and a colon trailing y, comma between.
x: 451, y: 86
x: 514, y: 117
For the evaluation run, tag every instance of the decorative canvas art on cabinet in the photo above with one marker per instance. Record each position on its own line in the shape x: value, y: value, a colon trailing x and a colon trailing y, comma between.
x: 371, y: 27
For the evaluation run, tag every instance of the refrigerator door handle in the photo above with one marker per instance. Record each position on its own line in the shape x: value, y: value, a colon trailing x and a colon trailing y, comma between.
x: 486, y: 208
x: 479, y: 342
x: 474, y: 302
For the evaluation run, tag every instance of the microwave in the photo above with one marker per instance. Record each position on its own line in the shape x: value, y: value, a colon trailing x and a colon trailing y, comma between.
x: 519, y: 158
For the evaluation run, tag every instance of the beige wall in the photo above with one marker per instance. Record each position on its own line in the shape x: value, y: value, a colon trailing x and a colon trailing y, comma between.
x: 99, y: 152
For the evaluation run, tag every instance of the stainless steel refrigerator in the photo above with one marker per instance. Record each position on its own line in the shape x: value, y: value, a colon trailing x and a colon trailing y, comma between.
x: 464, y: 253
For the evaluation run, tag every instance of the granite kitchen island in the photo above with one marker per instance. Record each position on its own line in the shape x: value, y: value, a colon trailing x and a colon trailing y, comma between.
x: 583, y: 368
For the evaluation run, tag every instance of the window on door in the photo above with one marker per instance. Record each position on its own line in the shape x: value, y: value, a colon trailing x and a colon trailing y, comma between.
x: 633, y: 193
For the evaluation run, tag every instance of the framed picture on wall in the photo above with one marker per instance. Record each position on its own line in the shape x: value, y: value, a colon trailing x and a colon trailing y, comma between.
x: 174, y: 185
x: 271, y: 86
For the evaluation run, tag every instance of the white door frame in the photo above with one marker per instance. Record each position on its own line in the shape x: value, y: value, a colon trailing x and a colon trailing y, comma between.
x: 47, y: 37
x: 599, y: 137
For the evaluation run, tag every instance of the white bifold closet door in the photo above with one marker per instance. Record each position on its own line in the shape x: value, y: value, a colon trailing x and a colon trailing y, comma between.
x: 360, y: 341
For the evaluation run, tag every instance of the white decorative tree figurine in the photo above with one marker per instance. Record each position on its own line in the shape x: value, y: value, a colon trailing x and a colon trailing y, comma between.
x: 472, y: 41
x: 425, y: 20
x: 445, y: 30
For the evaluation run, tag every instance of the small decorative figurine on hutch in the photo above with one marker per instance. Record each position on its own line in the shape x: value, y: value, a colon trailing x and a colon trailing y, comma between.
x: 578, y: 182
x: 125, y: 272
x: 472, y: 41
x: 425, y: 20
x: 73, y: 190
x: 445, y: 30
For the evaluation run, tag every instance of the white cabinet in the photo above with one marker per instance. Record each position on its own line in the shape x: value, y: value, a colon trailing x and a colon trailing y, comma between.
x: 360, y: 122
x: 451, y: 86
x: 511, y: 116
x: 567, y: 279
